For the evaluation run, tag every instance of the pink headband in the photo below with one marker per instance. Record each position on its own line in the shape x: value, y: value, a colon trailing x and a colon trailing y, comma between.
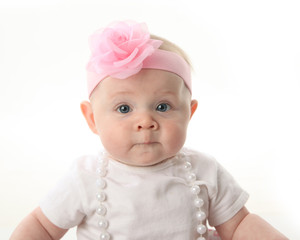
x: 124, y: 48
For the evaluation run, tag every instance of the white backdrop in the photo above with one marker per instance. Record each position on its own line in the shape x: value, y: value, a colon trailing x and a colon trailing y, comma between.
x: 246, y: 59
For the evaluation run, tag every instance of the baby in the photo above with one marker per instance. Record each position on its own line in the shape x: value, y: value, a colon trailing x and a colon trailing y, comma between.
x: 145, y: 184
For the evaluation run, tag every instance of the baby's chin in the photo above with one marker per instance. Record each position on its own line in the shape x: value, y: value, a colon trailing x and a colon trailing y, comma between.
x: 143, y: 155
x: 139, y: 163
x: 142, y: 161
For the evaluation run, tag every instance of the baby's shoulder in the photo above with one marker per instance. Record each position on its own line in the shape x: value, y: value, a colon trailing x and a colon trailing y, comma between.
x: 204, y: 165
x: 85, y: 164
x: 197, y: 157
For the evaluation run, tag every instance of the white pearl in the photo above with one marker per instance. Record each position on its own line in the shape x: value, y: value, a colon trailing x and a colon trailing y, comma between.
x: 201, y: 216
x: 101, y: 171
x: 191, y: 177
x: 199, y: 202
x: 104, y: 236
x: 201, y: 229
x: 201, y: 238
x: 101, y: 183
x: 195, y: 189
x: 103, y: 161
x: 101, y: 153
x: 101, y: 196
x: 101, y: 210
x: 187, y: 166
x: 103, y: 223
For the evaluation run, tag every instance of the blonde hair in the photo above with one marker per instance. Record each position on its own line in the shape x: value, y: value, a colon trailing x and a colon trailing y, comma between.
x: 172, y: 47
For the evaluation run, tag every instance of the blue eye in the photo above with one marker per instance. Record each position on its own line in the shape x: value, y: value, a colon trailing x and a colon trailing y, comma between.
x: 163, y: 107
x: 124, y: 109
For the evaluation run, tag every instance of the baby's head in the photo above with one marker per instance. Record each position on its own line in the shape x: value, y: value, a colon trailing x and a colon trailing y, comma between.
x: 140, y: 94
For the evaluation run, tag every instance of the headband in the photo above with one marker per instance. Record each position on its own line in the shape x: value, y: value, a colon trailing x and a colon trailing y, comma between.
x: 124, y: 48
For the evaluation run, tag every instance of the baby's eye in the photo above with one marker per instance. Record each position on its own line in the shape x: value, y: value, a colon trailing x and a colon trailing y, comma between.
x: 124, y: 109
x: 163, y: 107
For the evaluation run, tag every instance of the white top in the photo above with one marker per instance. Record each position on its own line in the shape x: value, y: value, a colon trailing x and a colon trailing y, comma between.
x: 144, y: 202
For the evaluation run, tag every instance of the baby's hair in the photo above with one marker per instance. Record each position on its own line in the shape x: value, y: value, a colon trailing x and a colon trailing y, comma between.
x: 172, y: 47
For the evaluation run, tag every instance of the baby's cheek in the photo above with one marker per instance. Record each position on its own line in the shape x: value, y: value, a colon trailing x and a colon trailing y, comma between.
x: 110, y: 137
x: 176, y: 135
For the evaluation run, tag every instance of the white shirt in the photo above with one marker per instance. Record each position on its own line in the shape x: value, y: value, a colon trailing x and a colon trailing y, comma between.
x: 144, y: 202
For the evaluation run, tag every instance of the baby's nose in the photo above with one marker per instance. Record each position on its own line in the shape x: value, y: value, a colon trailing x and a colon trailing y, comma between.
x: 146, y: 122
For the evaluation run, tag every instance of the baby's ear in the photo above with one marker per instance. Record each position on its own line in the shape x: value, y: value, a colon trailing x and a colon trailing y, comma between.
x: 87, y: 111
x: 194, y: 105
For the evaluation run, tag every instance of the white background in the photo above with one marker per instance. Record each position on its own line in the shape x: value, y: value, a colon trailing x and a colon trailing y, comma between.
x: 246, y: 59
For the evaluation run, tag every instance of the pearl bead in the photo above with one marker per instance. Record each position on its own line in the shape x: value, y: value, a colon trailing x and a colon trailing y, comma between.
x: 199, y: 202
x: 191, y: 177
x: 201, y: 229
x: 101, y: 183
x: 195, y: 189
x: 103, y: 223
x: 201, y: 216
x: 101, y: 210
x: 104, y: 236
x: 187, y: 166
x: 103, y: 161
x: 101, y: 171
x: 101, y: 196
x: 101, y: 153
x: 201, y: 238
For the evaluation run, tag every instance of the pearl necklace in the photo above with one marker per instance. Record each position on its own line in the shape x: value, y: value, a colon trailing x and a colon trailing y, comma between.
x: 101, y: 198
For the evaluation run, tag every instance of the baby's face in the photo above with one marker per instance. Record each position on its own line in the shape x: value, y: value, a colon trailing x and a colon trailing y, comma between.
x: 142, y: 120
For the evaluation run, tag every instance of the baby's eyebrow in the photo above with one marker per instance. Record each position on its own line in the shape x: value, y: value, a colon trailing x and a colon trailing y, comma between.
x: 121, y: 92
x: 165, y: 92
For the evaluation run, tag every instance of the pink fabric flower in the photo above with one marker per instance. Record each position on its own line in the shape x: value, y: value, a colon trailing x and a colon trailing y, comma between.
x: 120, y: 49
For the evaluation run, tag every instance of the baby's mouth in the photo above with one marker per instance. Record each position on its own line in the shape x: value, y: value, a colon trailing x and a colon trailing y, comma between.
x: 145, y: 143
x: 146, y: 140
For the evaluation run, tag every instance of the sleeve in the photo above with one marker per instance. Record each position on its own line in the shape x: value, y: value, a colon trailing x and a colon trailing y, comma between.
x: 228, y: 198
x: 64, y: 204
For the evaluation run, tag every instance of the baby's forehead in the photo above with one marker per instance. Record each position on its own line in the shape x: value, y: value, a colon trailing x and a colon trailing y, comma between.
x: 146, y: 81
